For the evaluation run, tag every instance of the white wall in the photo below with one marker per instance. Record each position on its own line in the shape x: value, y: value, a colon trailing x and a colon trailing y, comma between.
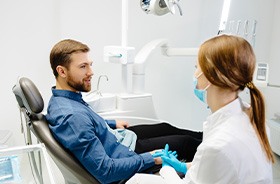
x: 29, y: 29
x: 272, y: 93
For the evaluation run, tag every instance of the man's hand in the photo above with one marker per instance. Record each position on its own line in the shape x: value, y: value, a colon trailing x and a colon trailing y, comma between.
x: 121, y: 124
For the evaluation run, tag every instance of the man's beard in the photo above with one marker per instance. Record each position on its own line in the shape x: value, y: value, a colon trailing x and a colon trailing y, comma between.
x: 78, y: 86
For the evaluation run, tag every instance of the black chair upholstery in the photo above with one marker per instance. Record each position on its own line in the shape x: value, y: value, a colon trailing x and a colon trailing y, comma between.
x: 31, y: 103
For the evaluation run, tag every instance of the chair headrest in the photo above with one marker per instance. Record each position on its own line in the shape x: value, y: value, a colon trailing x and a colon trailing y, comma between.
x: 28, y: 96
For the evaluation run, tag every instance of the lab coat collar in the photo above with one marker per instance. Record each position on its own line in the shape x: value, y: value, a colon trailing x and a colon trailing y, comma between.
x: 215, y: 119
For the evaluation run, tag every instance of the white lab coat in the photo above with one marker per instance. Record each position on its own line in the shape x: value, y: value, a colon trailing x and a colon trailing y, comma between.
x: 229, y: 154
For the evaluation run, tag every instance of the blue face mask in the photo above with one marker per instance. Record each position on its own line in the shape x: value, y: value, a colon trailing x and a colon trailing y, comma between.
x: 201, y: 94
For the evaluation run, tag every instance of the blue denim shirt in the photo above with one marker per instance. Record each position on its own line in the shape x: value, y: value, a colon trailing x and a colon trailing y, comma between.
x: 85, y: 134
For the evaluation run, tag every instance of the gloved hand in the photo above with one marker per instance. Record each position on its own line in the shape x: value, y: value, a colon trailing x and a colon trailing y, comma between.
x: 165, y: 152
x: 158, y: 154
x: 172, y: 161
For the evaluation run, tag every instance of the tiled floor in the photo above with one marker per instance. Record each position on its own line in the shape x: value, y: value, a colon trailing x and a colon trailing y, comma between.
x: 276, y: 170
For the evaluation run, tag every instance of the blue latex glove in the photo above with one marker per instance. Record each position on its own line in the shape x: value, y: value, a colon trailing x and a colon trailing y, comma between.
x: 158, y: 154
x: 172, y: 161
x: 165, y: 152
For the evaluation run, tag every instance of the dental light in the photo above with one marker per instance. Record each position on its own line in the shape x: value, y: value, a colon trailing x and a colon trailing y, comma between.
x: 160, y: 7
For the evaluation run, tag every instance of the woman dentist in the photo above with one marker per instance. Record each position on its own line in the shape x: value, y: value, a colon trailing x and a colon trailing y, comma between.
x: 235, y: 147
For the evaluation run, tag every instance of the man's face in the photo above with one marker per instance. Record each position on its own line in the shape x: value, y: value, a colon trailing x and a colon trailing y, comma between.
x: 79, y: 73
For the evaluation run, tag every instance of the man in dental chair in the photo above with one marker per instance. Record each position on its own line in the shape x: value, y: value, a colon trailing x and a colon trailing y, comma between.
x: 110, y: 150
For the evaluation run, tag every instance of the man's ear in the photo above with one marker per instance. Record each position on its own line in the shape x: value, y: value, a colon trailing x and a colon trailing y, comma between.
x: 62, y: 71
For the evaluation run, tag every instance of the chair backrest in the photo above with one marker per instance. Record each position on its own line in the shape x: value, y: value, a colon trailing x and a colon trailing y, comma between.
x: 30, y: 99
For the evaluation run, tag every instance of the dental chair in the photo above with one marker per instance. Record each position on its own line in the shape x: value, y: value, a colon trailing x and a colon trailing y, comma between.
x: 31, y: 105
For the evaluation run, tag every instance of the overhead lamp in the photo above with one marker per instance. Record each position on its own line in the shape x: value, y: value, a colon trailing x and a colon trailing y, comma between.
x: 160, y: 7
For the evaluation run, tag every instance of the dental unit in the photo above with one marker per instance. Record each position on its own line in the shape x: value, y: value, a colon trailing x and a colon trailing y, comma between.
x: 134, y: 103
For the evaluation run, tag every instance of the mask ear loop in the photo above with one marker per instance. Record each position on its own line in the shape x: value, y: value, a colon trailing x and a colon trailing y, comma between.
x: 207, y: 86
x: 199, y: 75
x: 208, y: 81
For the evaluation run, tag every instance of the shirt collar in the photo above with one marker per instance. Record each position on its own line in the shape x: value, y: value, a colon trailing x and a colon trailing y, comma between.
x: 77, y: 96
